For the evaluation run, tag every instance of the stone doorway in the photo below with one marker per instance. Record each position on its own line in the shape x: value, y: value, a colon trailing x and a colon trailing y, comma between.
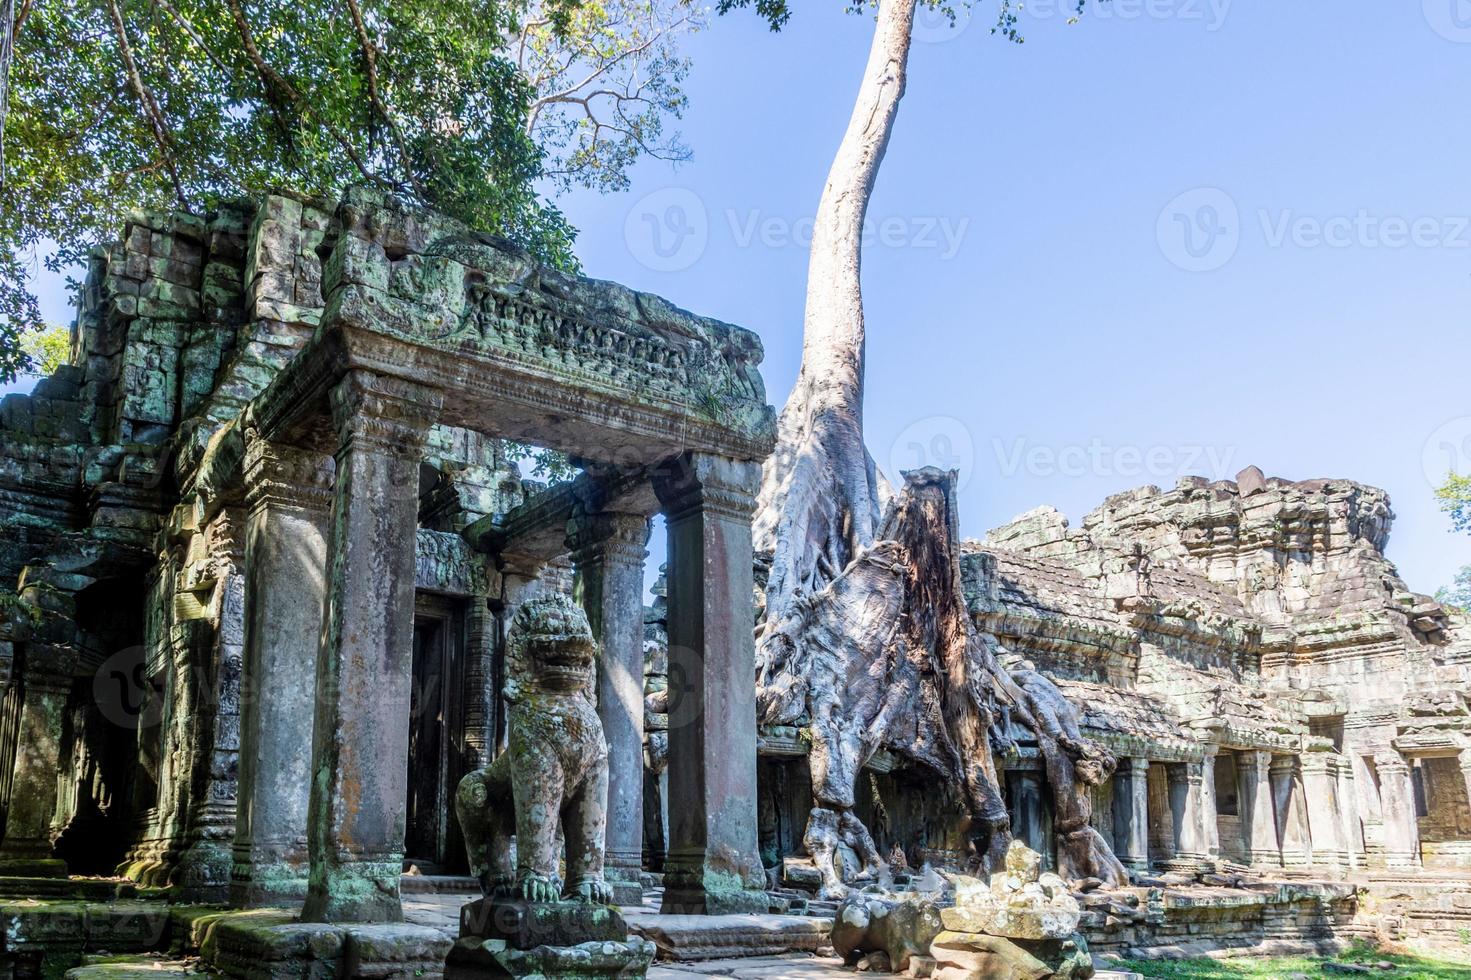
x: 431, y: 841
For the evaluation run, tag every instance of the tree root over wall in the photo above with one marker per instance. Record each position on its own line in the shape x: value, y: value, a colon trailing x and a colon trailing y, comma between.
x: 886, y: 655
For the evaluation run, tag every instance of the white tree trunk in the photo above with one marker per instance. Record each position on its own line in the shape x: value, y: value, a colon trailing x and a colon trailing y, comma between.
x: 819, y: 500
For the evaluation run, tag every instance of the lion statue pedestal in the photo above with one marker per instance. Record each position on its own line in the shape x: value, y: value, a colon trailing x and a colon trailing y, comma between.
x: 548, y: 792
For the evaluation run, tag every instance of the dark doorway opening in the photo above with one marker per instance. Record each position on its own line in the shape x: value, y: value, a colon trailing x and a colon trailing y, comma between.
x: 432, y: 842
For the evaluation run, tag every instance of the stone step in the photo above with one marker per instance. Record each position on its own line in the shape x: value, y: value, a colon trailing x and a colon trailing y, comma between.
x: 427, y: 884
x: 132, y: 968
x: 687, y: 938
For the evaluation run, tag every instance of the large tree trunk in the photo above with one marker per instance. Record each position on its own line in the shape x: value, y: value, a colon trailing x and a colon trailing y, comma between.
x: 819, y: 500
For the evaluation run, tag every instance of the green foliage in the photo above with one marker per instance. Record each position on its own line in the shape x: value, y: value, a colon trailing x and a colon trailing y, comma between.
x: 603, y: 86
x: 547, y: 464
x: 117, y: 105
x: 46, y: 349
x: 14, y: 609
x: 1455, y: 499
x: 778, y: 12
x: 1457, y: 595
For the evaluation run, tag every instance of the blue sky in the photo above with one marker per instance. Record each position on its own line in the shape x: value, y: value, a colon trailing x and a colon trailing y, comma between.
x: 1179, y: 236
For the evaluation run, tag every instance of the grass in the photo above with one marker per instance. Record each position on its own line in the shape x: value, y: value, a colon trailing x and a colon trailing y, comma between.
x: 1407, y: 966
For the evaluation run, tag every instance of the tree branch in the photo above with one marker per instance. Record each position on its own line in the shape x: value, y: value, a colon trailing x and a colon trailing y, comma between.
x: 194, y: 35
x: 278, y: 86
x: 145, y: 98
x: 370, y: 58
x: 560, y: 96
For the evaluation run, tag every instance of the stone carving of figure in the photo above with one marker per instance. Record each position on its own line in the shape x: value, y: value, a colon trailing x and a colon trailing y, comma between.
x: 554, y: 772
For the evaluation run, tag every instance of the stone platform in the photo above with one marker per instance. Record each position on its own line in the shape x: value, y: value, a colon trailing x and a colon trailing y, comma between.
x: 1260, y: 918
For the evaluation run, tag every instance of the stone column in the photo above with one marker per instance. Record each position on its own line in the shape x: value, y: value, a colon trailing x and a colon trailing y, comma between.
x: 1325, y: 823
x: 1210, y: 826
x: 1397, y: 802
x: 204, y: 870
x: 289, y: 503
x: 26, y: 850
x: 1259, y: 821
x: 1287, y: 801
x: 608, y: 554
x: 481, y: 697
x: 1348, y: 807
x: 1465, y: 761
x: 1029, y: 817
x: 360, y: 746
x: 520, y: 582
x: 1185, y: 780
x: 1131, y: 813
x: 714, y: 864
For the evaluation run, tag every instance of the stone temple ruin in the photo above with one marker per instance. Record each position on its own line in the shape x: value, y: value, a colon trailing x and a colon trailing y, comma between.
x: 267, y: 541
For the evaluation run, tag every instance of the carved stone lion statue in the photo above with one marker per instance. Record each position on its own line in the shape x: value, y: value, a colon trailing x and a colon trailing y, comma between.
x: 554, y: 773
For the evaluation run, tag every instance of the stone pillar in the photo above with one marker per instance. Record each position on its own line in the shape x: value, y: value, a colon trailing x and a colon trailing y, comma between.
x: 714, y: 864
x: 1348, y: 807
x: 1029, y: 814
x: 520, y: 582
x: 1287, y: 801
x: 26, y: 850
x: 1210, y: 827
x: 1465, y: 761
x: 1325, y: 822
x: 481, y: 696
x: 1185, y: 781
x: 289, y: 503
x: 608, y: 554
x: 1397, y: 803
x: 1131, y: 813
x: 1258, y: 819
x: 204, y: 870
x: 360, y: 746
